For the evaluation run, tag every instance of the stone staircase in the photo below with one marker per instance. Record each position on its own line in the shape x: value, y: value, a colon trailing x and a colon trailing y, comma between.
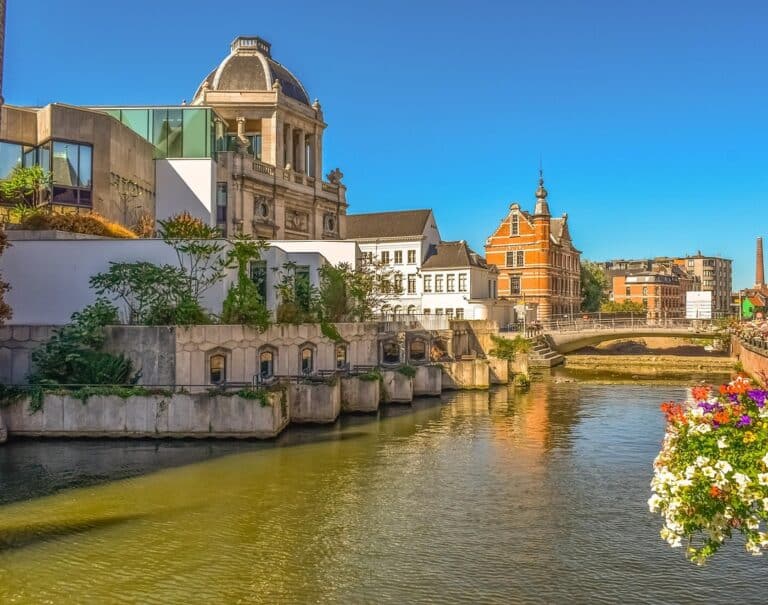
x: 542, y: 355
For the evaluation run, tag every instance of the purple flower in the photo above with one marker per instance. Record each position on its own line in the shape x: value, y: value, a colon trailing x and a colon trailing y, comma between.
x: 758, y: 397
x: 709, y: 407
x: 745, y: 420
x: 733, y: 397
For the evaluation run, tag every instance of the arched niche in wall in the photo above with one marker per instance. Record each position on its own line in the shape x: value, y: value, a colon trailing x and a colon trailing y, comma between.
x: 307, y: 359
x: 267, y: 362
x: 217, y: 363
x: 389, y: 351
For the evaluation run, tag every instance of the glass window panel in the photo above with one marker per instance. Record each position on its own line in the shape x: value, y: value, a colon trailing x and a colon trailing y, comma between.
x: 44, y: 157
x: 85, y: 197
x: 160, y: 132
x: 65, y: 163
x: 266, y: 364
x: 196, y: 133
x: 303, y: 287
x: 259, y: 277
x: 64, y: 195
x: 137, y: 120
x: 85, y: 169
x: 115, y: 113
x: 218, y: 369
x: 306, y: 361
x: 175, y: 133
x: 10, y: 158
x: 341, y: 356
x: 30, y: 156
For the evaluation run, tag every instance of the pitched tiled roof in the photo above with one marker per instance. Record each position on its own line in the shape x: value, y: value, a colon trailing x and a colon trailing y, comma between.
x: 401, y: 223
x: 454, y: 255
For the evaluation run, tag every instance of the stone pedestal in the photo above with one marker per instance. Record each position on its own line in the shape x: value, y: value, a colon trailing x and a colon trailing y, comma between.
x: 499, y: 370
x: 474, y: 374
x: 396, y: 387
x: 358, y: 395
x: 314, y: 402
x: 428, y: 381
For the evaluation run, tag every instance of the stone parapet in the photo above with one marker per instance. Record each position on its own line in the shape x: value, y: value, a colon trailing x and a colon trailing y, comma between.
x: 158, y: 416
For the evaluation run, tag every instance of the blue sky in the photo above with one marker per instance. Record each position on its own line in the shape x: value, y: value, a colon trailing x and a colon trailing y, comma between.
x: 650, y: 116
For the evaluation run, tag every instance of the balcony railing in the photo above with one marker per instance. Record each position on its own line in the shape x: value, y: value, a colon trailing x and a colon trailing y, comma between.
x: 263, y: 168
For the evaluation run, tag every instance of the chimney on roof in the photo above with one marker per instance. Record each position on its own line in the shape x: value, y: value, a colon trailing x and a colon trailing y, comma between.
x: 759, y: 267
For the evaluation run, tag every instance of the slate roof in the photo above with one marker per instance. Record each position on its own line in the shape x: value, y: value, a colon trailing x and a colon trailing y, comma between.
x: 454, y: 255
x: 401, y: 223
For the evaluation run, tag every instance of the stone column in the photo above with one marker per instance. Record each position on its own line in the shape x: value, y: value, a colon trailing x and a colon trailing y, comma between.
x: 317, y: 156
x: 242, y: 142
x: 288, y: 133
x: 301, y: 150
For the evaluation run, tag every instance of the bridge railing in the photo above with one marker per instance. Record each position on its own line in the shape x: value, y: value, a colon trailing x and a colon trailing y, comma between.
x: 626, y: 323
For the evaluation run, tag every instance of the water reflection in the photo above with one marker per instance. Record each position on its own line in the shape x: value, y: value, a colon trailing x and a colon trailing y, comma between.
x: 497, y: 497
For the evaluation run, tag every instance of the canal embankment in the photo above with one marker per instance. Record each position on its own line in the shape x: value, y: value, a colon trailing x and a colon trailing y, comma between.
x: 652, y: 365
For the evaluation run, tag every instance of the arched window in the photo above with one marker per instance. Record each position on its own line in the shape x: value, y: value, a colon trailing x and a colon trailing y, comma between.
x: 217, y: 368
x: 411, y: 309
x: 390, y: 352
x: 418, y: 350
x: 341, y: 356
x: 307, y: 360
x: 266, y: 364
x: 397, y: 310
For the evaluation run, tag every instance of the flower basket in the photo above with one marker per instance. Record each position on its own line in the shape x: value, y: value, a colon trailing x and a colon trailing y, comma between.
x: 711, y: 475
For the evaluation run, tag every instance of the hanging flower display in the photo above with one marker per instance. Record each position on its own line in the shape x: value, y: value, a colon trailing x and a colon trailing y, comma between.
x: 711, y: 476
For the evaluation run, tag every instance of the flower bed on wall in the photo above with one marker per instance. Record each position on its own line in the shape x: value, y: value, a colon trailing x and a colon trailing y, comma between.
x: 711, y: 476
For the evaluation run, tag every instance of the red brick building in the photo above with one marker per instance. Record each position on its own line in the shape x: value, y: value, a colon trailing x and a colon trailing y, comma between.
x: 537, y: 261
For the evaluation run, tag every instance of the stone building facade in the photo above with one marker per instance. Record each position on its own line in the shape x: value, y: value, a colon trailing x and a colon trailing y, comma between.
x: 269, y: 137
x: 716, y: 276
x: 537, y: 261
x: 662, y: 294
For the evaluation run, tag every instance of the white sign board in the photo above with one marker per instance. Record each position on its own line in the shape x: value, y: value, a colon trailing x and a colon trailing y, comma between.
x: 698, y: 305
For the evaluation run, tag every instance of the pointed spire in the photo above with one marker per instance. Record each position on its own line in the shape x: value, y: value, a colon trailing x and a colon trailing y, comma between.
x: 542, y: 207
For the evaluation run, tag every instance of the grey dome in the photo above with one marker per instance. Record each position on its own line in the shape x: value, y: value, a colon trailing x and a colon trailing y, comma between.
x: 250, y: 68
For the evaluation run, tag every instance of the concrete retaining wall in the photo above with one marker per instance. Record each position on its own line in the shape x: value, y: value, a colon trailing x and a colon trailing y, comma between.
x: 499, y: 370
x: 428, y: 381
x: 753, y: 359
x: 657, y: 365
x: 358, y: 395
x: 474, y: 374
x: 177, y: 415
x: 3, y: 430
x: 396, y: 387
x: 16, y: 346
x: 314, y: 402
x: 152, y: 349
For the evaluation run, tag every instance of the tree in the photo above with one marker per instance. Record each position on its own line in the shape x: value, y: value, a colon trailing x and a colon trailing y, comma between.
x: 26, y: 186
x: 243, y: 304
x: 5, y: 308
x: 626, y: 306
x: 298, y: 298
x: 594, y: 286
x: 199, y: 251
x: 349, y: 294
x: 150, y: 292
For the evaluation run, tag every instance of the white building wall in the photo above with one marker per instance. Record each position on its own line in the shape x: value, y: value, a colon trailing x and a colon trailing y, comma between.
x: 334, y: 251
x: 50, y: 278
x: 406, y: 300
x: 186, y: 184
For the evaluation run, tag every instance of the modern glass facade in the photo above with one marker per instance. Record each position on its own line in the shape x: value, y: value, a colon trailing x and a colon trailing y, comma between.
x: 71, y: 166
x: 176, y: 132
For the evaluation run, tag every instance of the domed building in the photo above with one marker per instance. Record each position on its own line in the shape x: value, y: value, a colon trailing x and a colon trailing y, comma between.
x: 269, y: 141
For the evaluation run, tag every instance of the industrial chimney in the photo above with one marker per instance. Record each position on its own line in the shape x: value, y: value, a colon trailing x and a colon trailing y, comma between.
x: 759, y: 267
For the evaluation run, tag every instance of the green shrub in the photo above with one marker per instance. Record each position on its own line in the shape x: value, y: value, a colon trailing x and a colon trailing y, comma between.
x: 407, y: 370
x: 508, y: 348
x: 72, y: 355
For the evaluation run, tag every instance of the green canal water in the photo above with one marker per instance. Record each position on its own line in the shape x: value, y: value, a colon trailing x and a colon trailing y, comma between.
x: 476, y: 497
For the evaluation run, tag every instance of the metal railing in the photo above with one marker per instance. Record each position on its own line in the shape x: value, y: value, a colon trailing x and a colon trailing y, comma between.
x: 625, y: 323
x: 395, y: 322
